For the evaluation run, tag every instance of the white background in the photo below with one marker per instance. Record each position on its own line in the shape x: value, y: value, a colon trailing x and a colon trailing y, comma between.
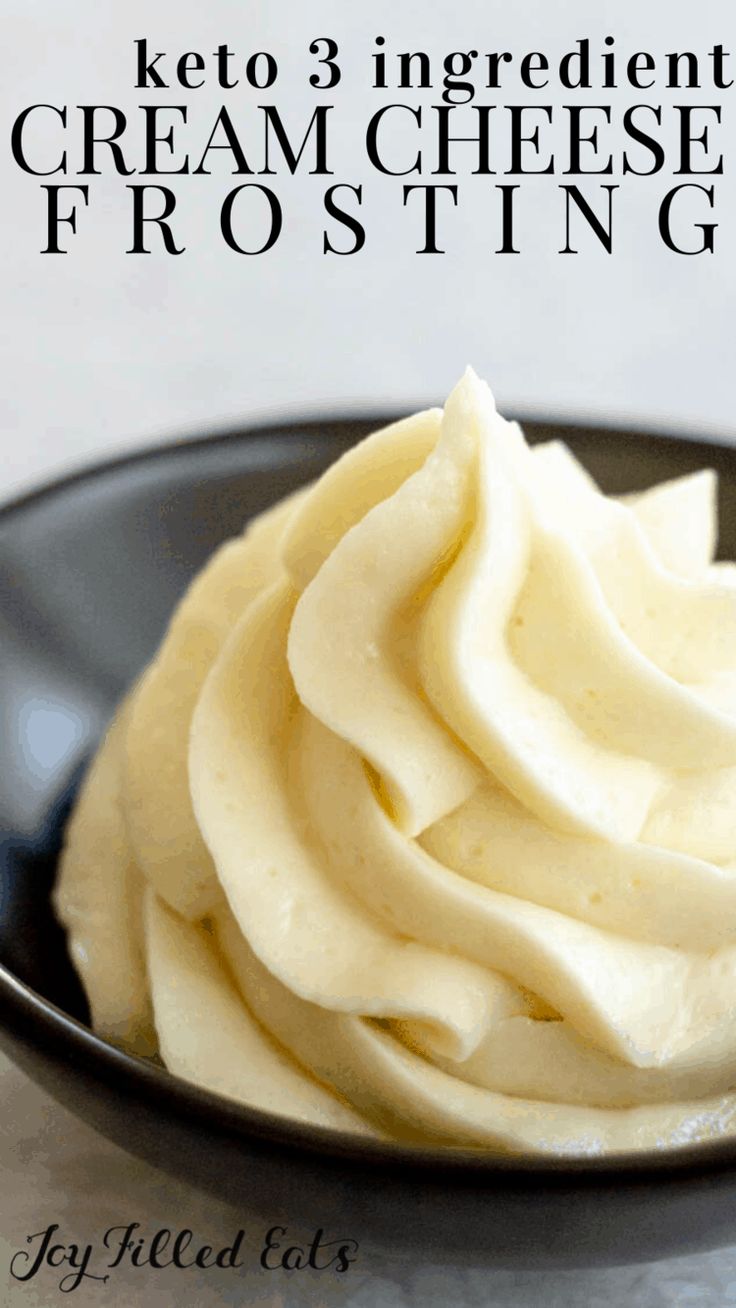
x: 103, y: 350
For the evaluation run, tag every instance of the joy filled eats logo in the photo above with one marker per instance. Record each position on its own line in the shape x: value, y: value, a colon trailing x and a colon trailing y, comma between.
x: 125, y: 1246
x: 432, y: 121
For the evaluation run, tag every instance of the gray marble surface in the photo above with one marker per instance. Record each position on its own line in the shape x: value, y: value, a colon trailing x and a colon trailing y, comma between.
x: 55, y: 1169
x: 101, y: 351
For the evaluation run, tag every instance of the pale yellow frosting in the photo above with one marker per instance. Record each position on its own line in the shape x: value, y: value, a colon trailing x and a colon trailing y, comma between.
x: 422, y: 823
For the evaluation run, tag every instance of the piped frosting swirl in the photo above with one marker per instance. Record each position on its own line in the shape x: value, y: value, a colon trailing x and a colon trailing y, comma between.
x: 429, y: 804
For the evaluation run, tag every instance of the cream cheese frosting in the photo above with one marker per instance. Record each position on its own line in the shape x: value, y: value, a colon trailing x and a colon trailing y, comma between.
x: 422, y: 822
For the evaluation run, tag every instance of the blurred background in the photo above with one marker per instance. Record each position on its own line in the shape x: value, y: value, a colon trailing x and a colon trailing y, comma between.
x: 104, y: 350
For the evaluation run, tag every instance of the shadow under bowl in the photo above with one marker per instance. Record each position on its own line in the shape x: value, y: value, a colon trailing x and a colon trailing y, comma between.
x: 90, y: 569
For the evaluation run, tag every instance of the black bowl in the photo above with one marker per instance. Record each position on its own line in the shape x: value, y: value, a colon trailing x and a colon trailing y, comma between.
x: 90, y: 568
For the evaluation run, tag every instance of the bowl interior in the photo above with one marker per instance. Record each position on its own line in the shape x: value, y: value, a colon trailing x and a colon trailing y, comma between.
x: 90, y: 569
